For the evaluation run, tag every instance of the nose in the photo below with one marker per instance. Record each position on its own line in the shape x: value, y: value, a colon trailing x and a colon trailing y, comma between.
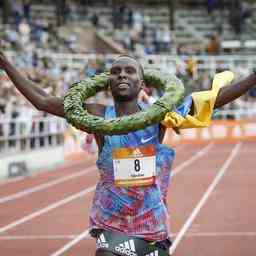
x: 122, y: 74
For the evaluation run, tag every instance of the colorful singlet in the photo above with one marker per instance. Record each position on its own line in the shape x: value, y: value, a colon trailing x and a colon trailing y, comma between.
x: 141, y: 210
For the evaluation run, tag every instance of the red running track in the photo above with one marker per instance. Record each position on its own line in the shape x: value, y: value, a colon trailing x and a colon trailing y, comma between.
x: 211, y: 201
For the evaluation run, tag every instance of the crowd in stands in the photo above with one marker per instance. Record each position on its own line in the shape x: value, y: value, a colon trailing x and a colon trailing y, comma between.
x: 130, y: 26
x: 136, y: 33
x: 239, y: 12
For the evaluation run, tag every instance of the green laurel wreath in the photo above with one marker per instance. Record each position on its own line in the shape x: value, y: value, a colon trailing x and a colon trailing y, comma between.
x: 81, y: 119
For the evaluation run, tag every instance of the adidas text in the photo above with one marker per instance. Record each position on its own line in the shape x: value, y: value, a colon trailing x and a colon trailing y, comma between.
x: 102, y: 245
x: 125, y: 251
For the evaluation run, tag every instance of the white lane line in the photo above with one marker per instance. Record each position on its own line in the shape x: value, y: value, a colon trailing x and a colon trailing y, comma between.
x: 46, y: 209
x: 41, y: 172
x: 221, y: 234
x: 206, y: 195
x: 69, y: 237
x: 199, y: 154
x: 39, y: 237
x: 11, y: 180
x: 45, y: 185
x: 71, y: 243
x: 175, y: 171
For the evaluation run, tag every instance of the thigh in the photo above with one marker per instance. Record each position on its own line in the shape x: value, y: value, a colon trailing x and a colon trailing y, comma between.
x: 104, y: 253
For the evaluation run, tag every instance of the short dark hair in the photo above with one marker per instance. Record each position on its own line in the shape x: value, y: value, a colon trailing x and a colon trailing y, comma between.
x: 141, y: 71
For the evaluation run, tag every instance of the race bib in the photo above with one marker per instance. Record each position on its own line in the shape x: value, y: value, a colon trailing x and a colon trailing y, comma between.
x: 134, y: 167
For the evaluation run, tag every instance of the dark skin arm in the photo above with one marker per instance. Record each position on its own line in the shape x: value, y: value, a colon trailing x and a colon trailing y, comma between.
x: 235, y: 90
x: 226, y: 95
x: 40, y: 99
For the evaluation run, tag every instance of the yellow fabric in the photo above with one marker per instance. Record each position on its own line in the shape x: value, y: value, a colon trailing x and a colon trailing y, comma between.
x: 203, y: 103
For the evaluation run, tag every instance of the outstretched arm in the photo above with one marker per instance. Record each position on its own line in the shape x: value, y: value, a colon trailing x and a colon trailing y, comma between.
x: 235, y: 90
x: 34, y: 93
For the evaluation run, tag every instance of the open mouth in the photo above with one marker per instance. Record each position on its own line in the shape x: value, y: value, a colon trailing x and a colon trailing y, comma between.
x: 123, y: 86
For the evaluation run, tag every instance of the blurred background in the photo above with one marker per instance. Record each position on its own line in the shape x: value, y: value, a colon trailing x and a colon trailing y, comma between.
x: 57, y: 43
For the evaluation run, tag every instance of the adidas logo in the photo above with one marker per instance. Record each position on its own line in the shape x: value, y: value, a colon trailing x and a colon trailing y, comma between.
x: 136, y: 153
x: 101, y: 242
x: 155, y: 253
x: 127, y: 248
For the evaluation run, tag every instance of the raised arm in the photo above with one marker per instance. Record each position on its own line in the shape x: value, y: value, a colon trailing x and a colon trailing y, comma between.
x: 34, y: 93
x: 235, y: 90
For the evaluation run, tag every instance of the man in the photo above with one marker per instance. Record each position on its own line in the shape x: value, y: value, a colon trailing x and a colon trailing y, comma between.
x: 130, y: 217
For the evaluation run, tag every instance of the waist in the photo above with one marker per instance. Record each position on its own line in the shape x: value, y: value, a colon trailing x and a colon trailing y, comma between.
x: 114, y: 241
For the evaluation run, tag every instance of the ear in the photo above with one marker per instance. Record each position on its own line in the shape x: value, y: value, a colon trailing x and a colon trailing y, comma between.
x: 142, y: 84
x: 108, y: 83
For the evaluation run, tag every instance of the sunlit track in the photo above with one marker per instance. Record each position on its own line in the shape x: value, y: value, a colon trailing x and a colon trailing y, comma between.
x: 46, y: 185
x: 59, y: 171
x: 201, y: 203
x: 76, y: 243
x: 46, y: 209
x: 192, y: 159
x: 229, y: 209
x: 72, y: 243
x: 179, y: 148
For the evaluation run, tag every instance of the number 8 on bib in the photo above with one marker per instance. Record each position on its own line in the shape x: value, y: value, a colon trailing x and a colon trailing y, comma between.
x: 134, y: 166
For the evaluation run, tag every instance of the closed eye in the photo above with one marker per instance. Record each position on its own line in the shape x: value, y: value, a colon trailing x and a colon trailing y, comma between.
x: 115, y: 71
x: 130, y: 70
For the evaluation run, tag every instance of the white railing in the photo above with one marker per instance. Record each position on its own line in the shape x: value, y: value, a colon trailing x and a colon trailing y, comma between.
x: 23, y: 135
x: 204, y: 62
x: 169, y: 62
x: 236, y: 114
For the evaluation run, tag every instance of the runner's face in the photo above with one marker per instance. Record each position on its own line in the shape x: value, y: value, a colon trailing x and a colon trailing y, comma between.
x: 125, y: 79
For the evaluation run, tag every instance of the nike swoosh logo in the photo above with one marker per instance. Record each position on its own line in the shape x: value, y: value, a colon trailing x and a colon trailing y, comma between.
x: 144, y: 140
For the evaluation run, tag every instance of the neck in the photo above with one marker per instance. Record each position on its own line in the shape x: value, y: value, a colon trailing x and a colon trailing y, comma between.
x: 126, y: 107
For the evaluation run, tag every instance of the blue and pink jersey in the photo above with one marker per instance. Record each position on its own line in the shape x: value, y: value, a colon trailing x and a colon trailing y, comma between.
x: 137, y: 211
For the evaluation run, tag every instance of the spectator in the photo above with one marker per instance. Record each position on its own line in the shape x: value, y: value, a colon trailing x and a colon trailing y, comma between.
x: 95, y: 20
x: 17, y: 11
x: 166, y: 39
x: 27, y: 9
x: 211, y: 5
x: 214, y: 44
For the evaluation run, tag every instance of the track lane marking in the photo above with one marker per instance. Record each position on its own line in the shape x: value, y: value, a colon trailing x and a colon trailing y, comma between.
x: 178, y: 169
x: 71, y: 243
x: 47, y: 209
x: 199, y: 154
x: 46, y: 185
x: 60, y: 168
x: 203, y: 200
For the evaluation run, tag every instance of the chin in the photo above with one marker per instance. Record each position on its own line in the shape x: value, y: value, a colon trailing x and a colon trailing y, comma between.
x: 123, y: 98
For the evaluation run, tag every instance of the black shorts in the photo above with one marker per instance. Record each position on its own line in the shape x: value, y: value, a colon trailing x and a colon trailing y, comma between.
x: 124, y: 245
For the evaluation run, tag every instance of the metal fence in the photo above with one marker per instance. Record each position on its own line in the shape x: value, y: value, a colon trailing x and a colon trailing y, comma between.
x: 23, y: 135
x: 40, y: 133
x: 203, y: 62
